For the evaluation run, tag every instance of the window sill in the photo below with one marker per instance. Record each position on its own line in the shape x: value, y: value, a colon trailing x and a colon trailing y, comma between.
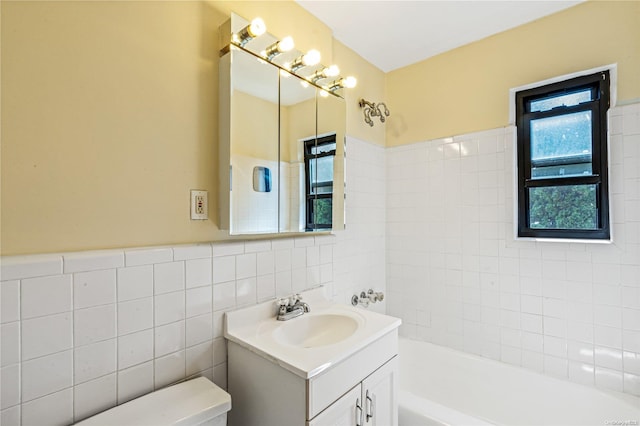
x: 565, y: 240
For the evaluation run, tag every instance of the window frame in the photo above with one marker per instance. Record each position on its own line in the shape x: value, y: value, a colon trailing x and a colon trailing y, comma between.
x: 308, y: 144
x: 599, y: 83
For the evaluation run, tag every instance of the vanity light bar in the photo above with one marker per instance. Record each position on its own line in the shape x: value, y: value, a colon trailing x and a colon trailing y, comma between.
x: 257, y: 27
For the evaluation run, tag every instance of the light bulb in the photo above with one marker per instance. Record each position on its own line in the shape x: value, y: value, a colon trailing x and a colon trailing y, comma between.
x: 286, y: 44
x: 311, y: 58
x: 331, y: 71
x: 349, y: 82
x: 257, y: 27
x: 324, y: 93
x: 277, y: 48
x: 304, y: 84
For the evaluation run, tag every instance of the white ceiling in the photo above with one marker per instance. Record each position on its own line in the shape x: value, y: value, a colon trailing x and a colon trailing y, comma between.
x: 394, y: 33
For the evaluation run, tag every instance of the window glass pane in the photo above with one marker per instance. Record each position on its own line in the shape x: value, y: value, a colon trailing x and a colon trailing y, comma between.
x: 312, y: 171
x: 561, y: 141
x: 322, y: 188
x: 323, y: 148
x: 545, y: 169
x: 563, y: 207
x: 551, y: 102
x: 322, y: 211
x: 321, y: 169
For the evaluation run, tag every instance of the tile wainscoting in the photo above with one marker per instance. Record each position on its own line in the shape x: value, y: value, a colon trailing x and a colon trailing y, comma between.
x: 82, y: 332
x: 457, y: 277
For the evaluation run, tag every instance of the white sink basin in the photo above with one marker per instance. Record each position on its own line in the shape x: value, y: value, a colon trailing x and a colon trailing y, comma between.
x: 309, y: 344
x: 312, y: 331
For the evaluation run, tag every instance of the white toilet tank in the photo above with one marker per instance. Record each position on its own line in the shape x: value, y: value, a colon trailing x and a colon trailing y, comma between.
x: 194, y: 402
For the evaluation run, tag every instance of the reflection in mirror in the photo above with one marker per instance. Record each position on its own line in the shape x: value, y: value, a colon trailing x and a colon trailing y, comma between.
x: 254, y: 145
x: 297, y: 124
x: 261, y: 179
x: 312, y: 158
x: 332, y: 121
x: 319, y: 155
x: 281, y: 147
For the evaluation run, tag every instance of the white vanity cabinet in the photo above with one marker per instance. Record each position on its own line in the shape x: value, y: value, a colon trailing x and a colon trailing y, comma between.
x: 347, y: 411
x: 335, y: 365
x: 373, y: 402
x: 359, y: 390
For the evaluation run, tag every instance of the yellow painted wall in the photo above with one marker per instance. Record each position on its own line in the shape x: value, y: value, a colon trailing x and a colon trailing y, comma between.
x: 110, y: 117
x: 467, y: 89
x: 371, y: 86
x: 295, y: 127
x: 110, y: 109
x: 260, y: 139
x: 109, y: 112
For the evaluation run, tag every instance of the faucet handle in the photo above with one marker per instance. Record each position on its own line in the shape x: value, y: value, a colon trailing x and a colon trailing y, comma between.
x: 375, y: 296
x: 295, y: 299
x: 282, y: 304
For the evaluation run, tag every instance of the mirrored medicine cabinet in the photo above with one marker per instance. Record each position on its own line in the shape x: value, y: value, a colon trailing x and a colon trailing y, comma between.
x: 282, y: 142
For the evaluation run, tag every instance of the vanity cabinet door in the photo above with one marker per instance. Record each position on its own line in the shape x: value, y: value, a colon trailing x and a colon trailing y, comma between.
x: 346, y: 411
x: 380, y: 396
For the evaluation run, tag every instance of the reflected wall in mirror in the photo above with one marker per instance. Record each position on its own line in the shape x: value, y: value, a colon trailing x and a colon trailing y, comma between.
x: 332, y: 120
x: 297, y: 123
x: 311, y: 157
x: 279, y: 123
x: 254, y: 144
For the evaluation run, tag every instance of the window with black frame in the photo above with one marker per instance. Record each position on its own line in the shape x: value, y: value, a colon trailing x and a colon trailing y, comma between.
x: 319, y: 155
x: 562, y: 159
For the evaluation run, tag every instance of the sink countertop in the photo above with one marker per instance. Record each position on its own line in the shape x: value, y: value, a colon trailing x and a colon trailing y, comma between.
x: 254, y: 327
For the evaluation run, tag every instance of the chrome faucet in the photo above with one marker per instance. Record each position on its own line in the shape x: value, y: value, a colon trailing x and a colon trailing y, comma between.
x: 291, y: 307
x: 366, y: 298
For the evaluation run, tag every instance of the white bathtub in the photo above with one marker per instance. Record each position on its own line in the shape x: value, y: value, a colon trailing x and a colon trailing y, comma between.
x: 442, y: 386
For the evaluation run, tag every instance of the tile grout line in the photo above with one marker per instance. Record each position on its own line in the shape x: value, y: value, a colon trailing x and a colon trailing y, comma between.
x: 73, y: 348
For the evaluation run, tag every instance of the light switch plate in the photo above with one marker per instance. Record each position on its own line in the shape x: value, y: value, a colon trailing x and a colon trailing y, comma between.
x: 199, y: 205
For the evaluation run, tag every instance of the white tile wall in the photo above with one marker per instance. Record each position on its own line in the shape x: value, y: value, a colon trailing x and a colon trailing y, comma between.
x: 53, y: 409
x: 134, y: 381
x: 135, y: 282
x: 46, y: 295
x: 94, y: 324
x: 77, y: 343
x: 457, y: 277
x: 94, y: 288
x: 46, y: 335
x: 94, y: 360
x: 94, y: 396
x: 359, y: 252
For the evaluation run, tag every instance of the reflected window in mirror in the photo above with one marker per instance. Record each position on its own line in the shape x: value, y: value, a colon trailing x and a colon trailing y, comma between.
x: 319, y: 156
x: 261, y: 179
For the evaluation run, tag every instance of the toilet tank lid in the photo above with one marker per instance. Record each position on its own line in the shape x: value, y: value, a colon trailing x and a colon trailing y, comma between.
x: 187, y: 403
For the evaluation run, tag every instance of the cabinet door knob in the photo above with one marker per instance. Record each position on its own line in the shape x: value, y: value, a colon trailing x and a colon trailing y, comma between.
x: 358, y: 413
x: 370, y: 407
